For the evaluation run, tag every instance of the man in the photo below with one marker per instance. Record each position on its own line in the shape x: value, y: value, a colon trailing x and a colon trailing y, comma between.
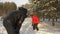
x: 13, y: 21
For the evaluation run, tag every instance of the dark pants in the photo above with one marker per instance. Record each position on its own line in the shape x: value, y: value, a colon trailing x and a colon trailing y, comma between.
x: 35, y: 27
x: 10, y: 29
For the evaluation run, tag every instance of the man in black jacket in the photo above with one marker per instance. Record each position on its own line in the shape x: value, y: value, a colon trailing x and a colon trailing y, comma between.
x: 13, y: 21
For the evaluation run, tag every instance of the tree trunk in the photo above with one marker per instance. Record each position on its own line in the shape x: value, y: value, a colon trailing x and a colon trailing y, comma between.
x: 48, y: 19
x: 56, y: 19
x: 53, y: 24
x: 43, y: 17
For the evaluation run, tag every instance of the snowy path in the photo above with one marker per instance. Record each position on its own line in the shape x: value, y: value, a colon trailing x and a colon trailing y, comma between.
x: 27, y: 28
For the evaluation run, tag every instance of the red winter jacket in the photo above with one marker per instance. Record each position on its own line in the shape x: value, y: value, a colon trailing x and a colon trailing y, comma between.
x: 35, y: 19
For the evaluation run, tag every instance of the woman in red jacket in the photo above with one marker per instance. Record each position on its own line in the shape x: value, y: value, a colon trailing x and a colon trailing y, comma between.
x: 35, y: 21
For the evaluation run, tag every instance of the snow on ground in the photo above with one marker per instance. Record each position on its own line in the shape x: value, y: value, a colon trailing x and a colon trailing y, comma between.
x: 2, y: 29
x: 27, y: 28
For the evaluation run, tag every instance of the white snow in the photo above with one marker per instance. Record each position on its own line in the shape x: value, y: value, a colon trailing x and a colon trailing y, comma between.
x: 27, y: 28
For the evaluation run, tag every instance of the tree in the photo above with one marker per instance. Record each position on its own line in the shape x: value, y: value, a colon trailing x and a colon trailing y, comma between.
x: 1, y: 5
x: 48, y: 7
x: 7, y: 6
x: 1, y: 8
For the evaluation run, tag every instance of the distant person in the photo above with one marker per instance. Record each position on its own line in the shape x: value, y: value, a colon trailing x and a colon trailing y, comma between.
x: 13, y: 21
x: 35, y: 22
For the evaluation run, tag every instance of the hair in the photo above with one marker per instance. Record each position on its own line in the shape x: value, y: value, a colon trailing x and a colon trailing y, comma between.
x: 23, y: 10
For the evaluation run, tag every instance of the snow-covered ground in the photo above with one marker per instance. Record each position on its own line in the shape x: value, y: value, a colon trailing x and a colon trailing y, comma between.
x: 27, y: 28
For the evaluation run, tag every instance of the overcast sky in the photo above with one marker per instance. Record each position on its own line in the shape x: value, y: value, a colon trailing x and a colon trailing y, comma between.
x: 18, y: 2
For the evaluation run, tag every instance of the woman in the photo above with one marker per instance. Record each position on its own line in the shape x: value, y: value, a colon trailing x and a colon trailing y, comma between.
x: 35, y: 22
